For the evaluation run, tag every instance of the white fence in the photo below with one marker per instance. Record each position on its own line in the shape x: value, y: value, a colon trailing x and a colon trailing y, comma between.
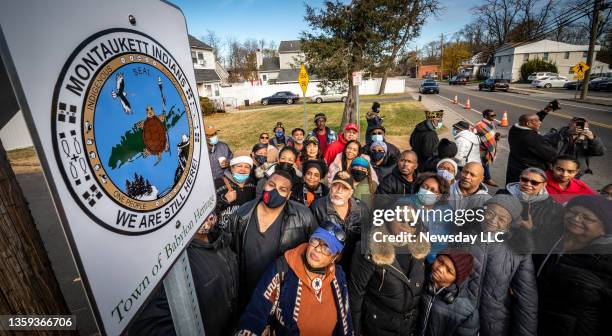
x: 15, y: 133
x: 254, y: 93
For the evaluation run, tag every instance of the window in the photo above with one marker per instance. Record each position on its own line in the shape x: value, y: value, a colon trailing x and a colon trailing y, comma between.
x: 194, y: 58
x: 264, y: 77
x: 584, y: 54
x: 216, y: 90
x: 208, y: 89
x: 525, y: 57
x: 566, y: 56
x: 201, y: 58
x: 546, y: 56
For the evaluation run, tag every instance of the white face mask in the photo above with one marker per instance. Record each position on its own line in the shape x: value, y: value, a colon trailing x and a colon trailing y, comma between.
x: 445, y: 174
x: 337, y: 201
x: 427, y: 197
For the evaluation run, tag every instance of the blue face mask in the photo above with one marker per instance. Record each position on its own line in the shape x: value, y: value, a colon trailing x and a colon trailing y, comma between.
x: 427, y: 197
x: 213, y: 140
x: 454, y: 132
x: 280, y: 134
x: 377, y: 138
x: 445, y: 174
x: 439, y: 125
x: 240, y: 177
x: 376, y: 156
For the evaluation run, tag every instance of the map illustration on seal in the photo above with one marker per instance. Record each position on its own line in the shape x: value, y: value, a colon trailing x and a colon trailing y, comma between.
x: 127, y: 132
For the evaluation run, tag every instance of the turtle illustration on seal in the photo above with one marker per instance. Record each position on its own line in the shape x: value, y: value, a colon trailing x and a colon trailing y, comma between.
x: 154, y: 134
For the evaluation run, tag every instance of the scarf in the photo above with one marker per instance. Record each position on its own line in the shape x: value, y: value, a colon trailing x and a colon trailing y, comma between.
x: 488, y: 147
x: 514, y: 190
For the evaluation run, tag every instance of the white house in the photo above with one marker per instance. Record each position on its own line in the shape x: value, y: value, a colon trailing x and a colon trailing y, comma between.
x: 209, y: 73
x: 471, y: 67
x: 509, y: 58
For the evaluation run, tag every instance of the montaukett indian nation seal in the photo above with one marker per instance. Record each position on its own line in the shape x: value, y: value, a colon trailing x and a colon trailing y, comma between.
x: 126, y: 131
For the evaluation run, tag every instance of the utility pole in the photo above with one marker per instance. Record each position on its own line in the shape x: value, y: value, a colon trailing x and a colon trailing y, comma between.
x: 441, y: 56
x: 590, y: 56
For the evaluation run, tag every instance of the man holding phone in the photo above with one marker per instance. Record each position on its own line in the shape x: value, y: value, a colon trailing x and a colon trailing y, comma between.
x: 577, y: 140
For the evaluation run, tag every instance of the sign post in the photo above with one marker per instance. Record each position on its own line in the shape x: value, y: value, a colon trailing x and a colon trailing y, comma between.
x: 356, y: 82
x: 579, y: 70
x: 115, y: 119
x: 303, y: 79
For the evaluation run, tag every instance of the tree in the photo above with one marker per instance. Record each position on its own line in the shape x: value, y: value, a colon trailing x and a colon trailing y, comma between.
x: 453, y: 55
x: 536, y: 65
x: 27, y: 283
x: 214, y: 41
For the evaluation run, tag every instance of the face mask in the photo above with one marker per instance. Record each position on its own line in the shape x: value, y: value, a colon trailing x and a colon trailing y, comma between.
x: 358, y: 175
x: 213, y: 140
x: 261, y: 159
x: 240, y: 177
x: 454, y: 132
x: 284, y: 166
x: 439, y: 125
x: 376, y: 156
x: 272, y: 199
x: 280, y: 134
x: 427, y: 197
x: 377, y: 137
x: 445, y: 174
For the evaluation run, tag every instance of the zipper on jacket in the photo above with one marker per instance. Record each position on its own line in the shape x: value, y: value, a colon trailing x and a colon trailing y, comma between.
x: 400, y: 272
x: 428, y: 310
x: 382, y: 281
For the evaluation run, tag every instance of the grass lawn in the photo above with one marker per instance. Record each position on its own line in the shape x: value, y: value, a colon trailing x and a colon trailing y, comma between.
x: 241, y: 129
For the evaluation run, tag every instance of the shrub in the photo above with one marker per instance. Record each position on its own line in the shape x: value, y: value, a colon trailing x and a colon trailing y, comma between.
x: 207, y: 106
x: 536, y: 65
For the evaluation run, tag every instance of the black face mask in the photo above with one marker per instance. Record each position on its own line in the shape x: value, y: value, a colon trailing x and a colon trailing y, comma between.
x: 320, y: 270
x: 377, y: 155
x: 261, y: 159
x: 214, y: 233
x: 358, y: 175
x: 272, y: 199
x: 284, y: 166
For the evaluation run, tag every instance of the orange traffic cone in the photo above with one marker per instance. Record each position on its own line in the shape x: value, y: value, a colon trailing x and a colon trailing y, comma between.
x: 504, y: 121
x: 467, y: 104
x: 455, y: 100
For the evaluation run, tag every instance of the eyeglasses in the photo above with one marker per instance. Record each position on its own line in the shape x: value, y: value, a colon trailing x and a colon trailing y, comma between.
x: 378, y: 133
x: 264, y: 137
x: 320, y: 246
x: 335, y: 229
x: 530, y: 181
x: 492, y: 115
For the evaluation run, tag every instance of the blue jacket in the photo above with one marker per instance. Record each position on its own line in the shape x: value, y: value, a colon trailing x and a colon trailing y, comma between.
x: 265, y: 309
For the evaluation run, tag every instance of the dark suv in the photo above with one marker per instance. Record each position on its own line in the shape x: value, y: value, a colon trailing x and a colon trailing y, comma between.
x: 457, y: 80
x: 492, y: 84
x: 429, y: 87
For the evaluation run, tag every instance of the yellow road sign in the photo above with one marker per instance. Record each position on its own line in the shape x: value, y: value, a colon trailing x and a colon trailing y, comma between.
x: 303, y: 79
x: 580, y: 68
x: 579, y: 76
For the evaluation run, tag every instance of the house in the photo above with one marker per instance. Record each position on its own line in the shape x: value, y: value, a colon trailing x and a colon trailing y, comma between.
x: 471, y: 67
x: 268, y: 68
x: 209, y: 74
x: 428, y: 71
x: 510, y: 57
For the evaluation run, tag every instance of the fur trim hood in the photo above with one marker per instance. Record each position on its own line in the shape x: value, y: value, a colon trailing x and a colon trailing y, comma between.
x: 383, y: 253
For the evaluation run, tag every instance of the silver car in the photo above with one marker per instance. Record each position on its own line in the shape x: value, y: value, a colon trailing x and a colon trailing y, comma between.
x: 331, y: 97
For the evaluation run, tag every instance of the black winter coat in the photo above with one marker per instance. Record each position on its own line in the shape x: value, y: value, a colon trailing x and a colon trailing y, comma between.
x: 443, y: 316
x: 386, y: 167
x: 562, y: 140
x: 356, y: 222
x: 393, y: 153
x: 424, y: 141
x: 527, y: 149
x: 297, y: 225
x: 385, y: 297
x: 395, y: 184
x: 504, y: 286
x: 576, y: 293
x: 298, y: 194
x: 215, y: 275
x: 223, y: 208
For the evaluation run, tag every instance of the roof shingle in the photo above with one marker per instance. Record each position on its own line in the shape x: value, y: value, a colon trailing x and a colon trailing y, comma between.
x: 270, y: 64
x: 206, y: 76
x: 194, y: 42
x: 289, y: 46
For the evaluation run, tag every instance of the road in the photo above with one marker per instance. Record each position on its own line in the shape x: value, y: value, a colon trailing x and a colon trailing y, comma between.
x: 515, y: 104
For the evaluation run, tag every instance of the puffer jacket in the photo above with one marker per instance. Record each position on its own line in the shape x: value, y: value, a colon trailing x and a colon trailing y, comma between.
x: 354, y: 224
x: 505, y: 291
x: 424, y: 141
x: 576, y: 292
x: 385, y: 297
x: 468, y: 148
x: 395, y: 184
x: 448, y: 311
x: 296, y: 227
x: 562, y: 140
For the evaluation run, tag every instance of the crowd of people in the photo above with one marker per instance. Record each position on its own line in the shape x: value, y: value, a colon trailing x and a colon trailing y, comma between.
x: 289, y: 248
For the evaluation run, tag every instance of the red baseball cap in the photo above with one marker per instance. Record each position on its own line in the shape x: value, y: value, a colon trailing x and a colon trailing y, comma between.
x: 351, y: 126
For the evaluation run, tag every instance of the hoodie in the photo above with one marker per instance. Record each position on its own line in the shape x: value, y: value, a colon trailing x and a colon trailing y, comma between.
x: 468, y: 148
x: 334, y: 149
x: 458, y: 201
x: 575, y: 188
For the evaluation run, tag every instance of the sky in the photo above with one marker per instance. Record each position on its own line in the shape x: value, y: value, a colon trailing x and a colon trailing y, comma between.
x: 279, y: 20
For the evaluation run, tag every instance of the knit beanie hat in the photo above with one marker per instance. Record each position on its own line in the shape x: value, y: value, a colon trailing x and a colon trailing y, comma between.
x: 447, y: 148
x: 508, y: 202
x: 360, y: 162
x: 379, y: 144
x: 320, y: 165
x: 599, y: 205
x: 463, y: 262
x: 452, y: 163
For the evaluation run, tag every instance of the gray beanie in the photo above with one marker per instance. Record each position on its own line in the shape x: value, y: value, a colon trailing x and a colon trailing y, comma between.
x: 508, y: 202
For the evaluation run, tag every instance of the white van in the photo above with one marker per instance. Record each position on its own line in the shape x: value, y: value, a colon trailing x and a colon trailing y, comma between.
x: 540, y: 75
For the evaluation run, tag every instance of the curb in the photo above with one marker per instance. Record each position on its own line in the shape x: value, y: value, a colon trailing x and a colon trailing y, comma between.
x: 586, y: 102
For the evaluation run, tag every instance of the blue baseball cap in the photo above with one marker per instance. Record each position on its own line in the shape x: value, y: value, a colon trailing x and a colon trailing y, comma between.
x: 332, y: 235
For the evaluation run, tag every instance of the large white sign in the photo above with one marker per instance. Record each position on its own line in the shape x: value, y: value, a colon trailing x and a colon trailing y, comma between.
x: 109, y: 95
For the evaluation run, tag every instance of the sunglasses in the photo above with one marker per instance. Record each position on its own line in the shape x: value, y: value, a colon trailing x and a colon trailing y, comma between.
x: 264, y: 137
x: 493, y: 115
x: 335, y: 229
x: 530, y: 181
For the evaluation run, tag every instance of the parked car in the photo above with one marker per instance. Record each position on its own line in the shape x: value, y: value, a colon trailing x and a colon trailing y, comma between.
x: 429, y: 87
x: 601, y: 85
x: 493, y: 84
x: 540, y: 75
x: 457, y: 80
x: 281, y: 97
x: 548, y: 82
x: 571, y: 85
x: 431, y: 76
x: 330, y: 97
